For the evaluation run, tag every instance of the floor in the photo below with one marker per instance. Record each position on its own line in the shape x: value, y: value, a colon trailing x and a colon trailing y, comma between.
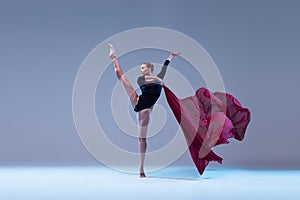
x: 88, y: 183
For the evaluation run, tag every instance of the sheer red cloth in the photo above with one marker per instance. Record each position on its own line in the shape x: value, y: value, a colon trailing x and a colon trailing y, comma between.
x: 208, y: 119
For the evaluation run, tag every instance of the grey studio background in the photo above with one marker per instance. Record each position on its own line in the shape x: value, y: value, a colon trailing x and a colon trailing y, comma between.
x: 255, y: 45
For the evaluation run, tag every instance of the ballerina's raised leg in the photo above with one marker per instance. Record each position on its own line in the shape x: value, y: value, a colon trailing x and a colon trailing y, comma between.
x: 128, y: 87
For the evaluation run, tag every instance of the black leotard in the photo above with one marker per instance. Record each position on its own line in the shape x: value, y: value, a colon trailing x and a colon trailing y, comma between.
x: 150, y: 90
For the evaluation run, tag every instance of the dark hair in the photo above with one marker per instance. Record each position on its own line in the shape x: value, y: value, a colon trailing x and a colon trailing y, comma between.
x: 149, y: 65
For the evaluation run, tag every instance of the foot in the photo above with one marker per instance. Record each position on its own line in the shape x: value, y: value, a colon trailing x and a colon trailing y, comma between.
x: 142, y: 175
x: 112, y: 52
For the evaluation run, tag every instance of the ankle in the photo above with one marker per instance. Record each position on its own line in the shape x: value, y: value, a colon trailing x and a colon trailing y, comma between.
x: 142, y: 175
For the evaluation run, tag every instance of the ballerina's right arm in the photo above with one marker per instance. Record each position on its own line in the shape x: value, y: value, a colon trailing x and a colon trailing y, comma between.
x: 150, y: 78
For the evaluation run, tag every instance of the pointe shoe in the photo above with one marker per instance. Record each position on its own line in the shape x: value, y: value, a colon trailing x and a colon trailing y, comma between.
x: 112, y: 52
x: 142, y: 175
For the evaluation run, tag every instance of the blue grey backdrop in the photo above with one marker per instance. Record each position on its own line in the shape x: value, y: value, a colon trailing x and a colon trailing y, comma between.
x: 254, y: 43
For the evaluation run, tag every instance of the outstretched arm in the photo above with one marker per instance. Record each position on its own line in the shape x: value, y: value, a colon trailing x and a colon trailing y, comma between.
x: 163, y: 70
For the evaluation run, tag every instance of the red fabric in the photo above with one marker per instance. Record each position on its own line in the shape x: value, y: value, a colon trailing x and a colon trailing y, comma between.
x: 208, y: 119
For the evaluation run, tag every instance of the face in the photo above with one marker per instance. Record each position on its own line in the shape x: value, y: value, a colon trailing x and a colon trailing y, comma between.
x: 145, y: 70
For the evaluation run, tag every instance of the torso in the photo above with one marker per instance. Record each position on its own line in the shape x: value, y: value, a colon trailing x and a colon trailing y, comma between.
x: 150, y: 93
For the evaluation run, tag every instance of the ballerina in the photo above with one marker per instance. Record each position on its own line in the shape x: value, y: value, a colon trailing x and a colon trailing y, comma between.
x: 207, y: 119
x: 151, y: 87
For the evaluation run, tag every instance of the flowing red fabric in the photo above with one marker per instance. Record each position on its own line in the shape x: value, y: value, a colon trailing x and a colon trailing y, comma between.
x: 208, y: 119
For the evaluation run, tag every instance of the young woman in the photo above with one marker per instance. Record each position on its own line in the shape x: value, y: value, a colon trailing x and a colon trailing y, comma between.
x: 207, y: 119
x: 151, y: 87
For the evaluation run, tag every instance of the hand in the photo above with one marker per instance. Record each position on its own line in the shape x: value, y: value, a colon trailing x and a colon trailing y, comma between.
x: 175, y: 53
x: 112, y: 53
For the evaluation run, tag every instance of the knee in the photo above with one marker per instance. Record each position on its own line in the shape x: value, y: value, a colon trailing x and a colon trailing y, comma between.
x: 143, y: 141
x: 143, y: 123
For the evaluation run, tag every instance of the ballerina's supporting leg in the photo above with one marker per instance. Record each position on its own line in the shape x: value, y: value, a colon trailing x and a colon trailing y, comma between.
x: 144, y: 116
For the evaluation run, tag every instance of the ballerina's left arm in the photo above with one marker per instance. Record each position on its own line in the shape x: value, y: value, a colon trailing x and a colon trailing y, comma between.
x: 160, y: 76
